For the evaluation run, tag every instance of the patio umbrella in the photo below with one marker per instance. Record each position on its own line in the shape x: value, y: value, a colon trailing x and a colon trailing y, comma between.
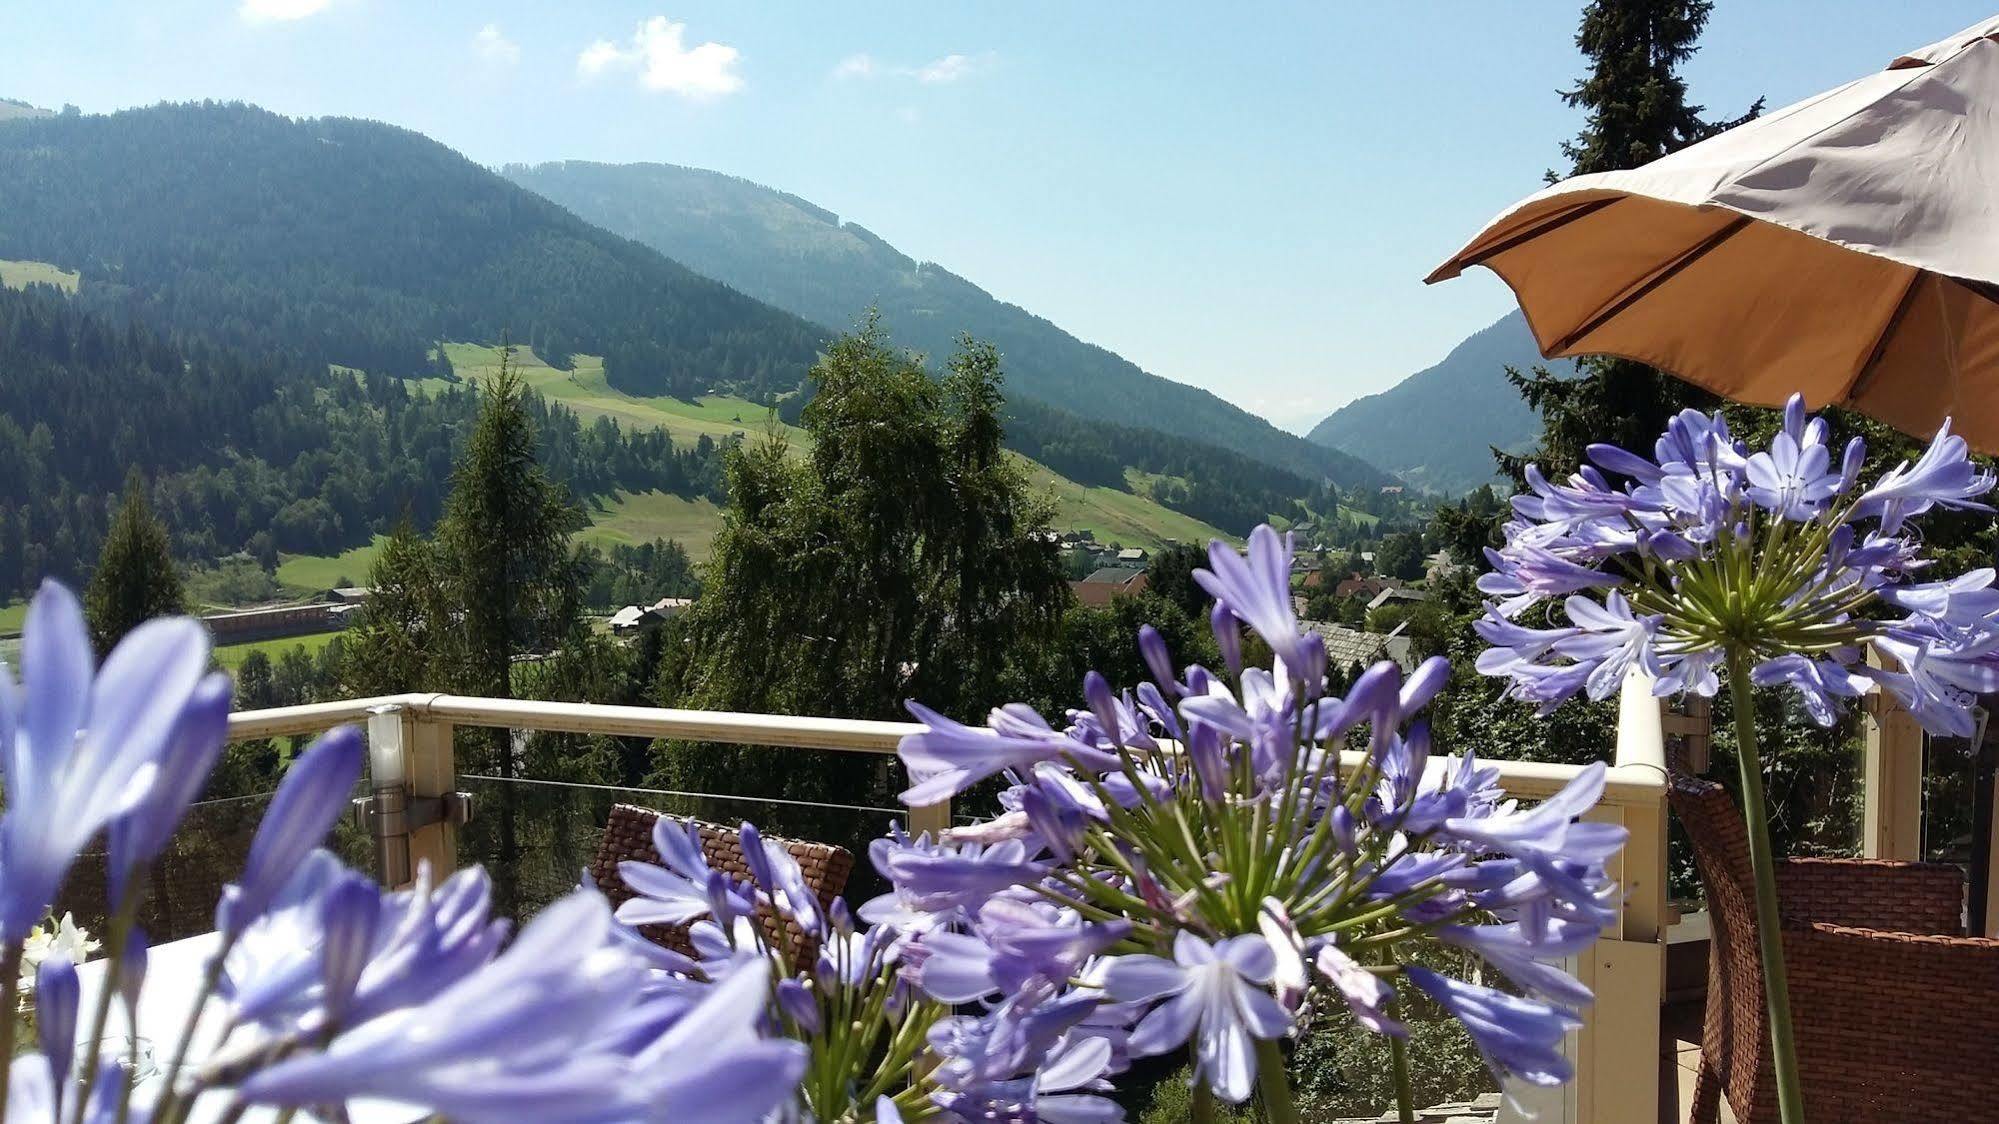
x: 1846, y: 247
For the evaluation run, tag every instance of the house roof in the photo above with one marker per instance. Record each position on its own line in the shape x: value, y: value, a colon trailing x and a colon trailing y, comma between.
x: 1346, y: 647
x: 1111, y: 581
x: 1397, y: 593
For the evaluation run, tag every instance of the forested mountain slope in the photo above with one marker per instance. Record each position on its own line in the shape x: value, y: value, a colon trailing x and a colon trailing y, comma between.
x: 359, y: 243
x: 1437, y: 428
x: 243, y: 453
x: 802, y: 258
x: 302, y: 243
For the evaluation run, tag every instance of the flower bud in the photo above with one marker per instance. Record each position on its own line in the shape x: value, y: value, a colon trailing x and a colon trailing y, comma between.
x: 1228, y: 637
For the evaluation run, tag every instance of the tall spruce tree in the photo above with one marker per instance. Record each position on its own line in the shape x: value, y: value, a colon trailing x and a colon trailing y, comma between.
x: 508, y: 571
x: 135, y: 579
x: 1635, y: 111
x: 504, y: 542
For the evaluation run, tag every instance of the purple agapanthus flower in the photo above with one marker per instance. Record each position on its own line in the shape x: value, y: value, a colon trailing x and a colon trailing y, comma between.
x: 1520, y: 1039
x: 685, y: 886
x: 947, y: 757
x: 82, y: 746
x: 1210, y: 993
x: 519, y: 1041
x: 1256, y: 590
x: 1823, y: 547
x: 189, y: 756
x: 1243, y: 840
x: 308, y: 801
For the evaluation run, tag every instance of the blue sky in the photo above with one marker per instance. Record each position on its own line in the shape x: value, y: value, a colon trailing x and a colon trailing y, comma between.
x: 1241, y: 197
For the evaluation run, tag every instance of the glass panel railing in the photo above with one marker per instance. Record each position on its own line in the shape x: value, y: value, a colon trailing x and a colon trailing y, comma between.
x: 536, y: 837
x: 1949, y: 799
x: 185, y: 882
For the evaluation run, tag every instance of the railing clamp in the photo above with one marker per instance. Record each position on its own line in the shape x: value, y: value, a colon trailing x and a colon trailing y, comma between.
x: 390, y: 812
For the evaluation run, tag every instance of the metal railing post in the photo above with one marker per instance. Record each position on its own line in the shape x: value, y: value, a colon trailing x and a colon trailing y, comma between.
x: 412, y: 809
x: 385, y: 812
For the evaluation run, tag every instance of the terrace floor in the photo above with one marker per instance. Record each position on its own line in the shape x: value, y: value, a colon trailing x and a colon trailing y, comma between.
x: 1679, y: 1056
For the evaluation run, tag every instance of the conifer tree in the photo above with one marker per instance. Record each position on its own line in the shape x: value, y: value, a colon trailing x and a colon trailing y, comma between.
x: 1636, y: 110
x: 504, y: 538
x: 135, y: 579
x: 511, y: 579
x: 401, y: 639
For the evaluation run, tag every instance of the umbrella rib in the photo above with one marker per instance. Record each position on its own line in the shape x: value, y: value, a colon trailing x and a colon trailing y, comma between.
x: 1659, y: 277
x: 1537, y: 230
x: 1858, y: 382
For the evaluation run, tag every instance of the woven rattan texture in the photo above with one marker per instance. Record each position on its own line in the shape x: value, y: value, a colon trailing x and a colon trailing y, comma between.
x: 628, y: 838
x: 1896, y: 1010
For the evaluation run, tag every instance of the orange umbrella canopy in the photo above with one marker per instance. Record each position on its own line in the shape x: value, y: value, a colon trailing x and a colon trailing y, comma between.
x: 1846, y: 247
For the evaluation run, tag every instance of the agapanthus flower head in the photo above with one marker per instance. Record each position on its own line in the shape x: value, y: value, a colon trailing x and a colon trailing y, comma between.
x: 1240, y: 841
x: 309, y: 799
x: 1714, y: 551
x: 524, y: 1039
x: 81, y: 744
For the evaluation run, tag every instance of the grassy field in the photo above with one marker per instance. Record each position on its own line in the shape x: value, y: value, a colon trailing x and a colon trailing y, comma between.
x: 631, y: 518
x: 21, y: 274
x: 584, y: 390
x: 1109, y: 514
x: 1120, y: 517
x: 231, y: 656
x: 640, y: 517
x: 12, y: 615
x: 314, y: 572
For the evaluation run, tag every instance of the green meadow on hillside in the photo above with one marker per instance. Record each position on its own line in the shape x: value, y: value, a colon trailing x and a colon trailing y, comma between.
x: 634, y: 518
x: 21, y: 274
x: 584, y: 390
x: 231, y: 656
x: 1133, y: 520
x: 312, y: 572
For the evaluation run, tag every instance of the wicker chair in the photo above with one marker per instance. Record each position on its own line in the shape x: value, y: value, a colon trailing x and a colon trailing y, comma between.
x: 1893, y: 1005
x: 628, y: 838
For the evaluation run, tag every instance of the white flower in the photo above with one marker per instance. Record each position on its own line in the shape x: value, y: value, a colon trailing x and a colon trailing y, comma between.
x: 64, y: 936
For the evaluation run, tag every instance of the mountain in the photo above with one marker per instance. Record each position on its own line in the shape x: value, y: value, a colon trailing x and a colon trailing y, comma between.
x: 358, y: 245
x: 1436, y: 428
x: 362, y: 244
x: 802, y: 258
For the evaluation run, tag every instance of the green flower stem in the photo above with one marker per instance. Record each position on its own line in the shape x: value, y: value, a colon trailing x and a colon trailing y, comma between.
x: 10, y: 997
x: 1769, y: 933
x: 1202, y: 1110
x: 174, y: 1107
x: 1398, y: 1058
x: 1271, y: 1082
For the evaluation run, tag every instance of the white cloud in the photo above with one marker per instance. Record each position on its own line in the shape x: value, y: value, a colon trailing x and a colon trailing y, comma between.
x: 658, y: 51
x: 494, y: 47
x: 855, y: 66
x: 280, y: 11
x: 950, y: 68
x: 936, y: 72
